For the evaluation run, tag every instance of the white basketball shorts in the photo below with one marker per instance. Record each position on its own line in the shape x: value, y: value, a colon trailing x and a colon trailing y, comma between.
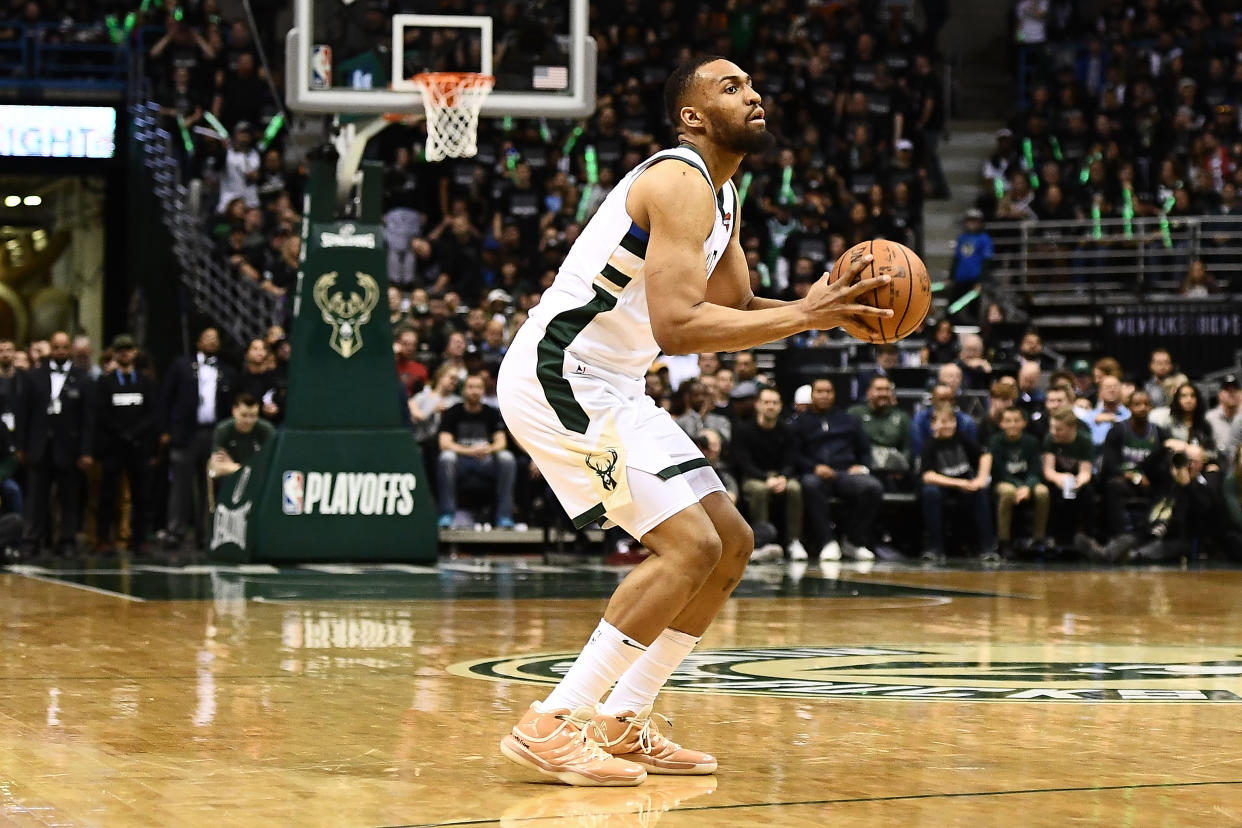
x: 603, y: 445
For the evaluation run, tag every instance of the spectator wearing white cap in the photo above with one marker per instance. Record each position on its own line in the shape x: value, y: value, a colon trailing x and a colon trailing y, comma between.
x: 801, y: 399
x: 497, y: 300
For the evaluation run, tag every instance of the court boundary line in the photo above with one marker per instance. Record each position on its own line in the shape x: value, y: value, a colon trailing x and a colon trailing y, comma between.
x: 97, y: 590
x: 854, y: 800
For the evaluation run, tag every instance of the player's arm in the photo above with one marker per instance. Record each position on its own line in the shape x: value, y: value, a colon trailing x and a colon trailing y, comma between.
x: 730, y: 282
x: 676, y: 206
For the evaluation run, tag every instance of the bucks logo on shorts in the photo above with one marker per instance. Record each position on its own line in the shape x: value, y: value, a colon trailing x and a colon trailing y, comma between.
x: 959, y: 673
x: 604, y: 464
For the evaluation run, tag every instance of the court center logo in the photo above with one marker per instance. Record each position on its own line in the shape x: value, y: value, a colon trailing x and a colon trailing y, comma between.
x: 1063, y: 674
x: 346, y: 311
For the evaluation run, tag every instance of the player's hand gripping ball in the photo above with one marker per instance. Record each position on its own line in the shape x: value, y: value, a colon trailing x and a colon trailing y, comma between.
x: 908, y: 294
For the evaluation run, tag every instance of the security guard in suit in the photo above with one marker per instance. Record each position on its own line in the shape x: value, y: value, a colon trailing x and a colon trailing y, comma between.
x: 126, y: 442
x: 55, y: 441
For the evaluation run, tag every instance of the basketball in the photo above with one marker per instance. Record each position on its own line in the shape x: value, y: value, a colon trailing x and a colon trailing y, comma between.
x: 908, y: 295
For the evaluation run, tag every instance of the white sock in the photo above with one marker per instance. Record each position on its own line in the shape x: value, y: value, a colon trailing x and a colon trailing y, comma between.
x: 607, y: 655
x: 640, y: 684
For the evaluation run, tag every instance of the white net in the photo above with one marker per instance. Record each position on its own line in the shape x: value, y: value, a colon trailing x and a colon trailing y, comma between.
x: 452, y: 101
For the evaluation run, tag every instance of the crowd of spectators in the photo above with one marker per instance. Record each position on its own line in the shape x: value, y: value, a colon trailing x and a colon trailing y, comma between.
x: 1033, y: 460
x: 1111, y: 463
x: 1006, y: 455
x: 98, y: 452
x: 850, y: 91
x: 852, y: 96
x: 1132, y: 111
x: 1114, y: 463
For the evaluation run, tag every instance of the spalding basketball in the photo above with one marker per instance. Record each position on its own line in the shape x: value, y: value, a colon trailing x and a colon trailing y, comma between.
x: 909, y: 294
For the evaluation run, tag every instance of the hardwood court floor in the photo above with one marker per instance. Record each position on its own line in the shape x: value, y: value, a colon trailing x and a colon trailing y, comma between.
x: 344, y: 696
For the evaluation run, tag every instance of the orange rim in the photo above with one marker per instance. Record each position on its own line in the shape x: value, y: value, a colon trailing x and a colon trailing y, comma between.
x: 449, y: 83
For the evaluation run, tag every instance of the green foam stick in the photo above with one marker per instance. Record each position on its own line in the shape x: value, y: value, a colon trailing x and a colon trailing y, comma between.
x: 185, y: 136
x: 747, y: 178
x: 592, y: 164
x: 215, y: 124
x: 1165, y: 236
x: 273, y: 129
x: 966, y: 298
x: 787, y: 191
x: 572, y: 140
x: 1127, y: 210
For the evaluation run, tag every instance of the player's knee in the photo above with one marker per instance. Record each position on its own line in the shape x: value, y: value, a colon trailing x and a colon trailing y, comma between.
x: 447, y: 459
x: 739, y: 543
x: 745, y: 537
x: 704, y: 554
x: 505, y: 458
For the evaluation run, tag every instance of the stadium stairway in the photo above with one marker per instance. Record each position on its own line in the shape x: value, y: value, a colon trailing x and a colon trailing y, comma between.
x: 962, y: 156
x: 976, y: 39
x: 974, y: 42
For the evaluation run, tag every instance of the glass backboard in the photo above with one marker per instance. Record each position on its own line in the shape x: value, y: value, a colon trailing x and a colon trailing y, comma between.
x: 357, y: 56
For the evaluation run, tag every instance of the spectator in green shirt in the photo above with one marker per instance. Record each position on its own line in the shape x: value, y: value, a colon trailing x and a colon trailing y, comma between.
x: 1133, y: 462
x: 1016, y: 466
x: 239, y: 438
x: 1068, y: 457
x: 888, y: 429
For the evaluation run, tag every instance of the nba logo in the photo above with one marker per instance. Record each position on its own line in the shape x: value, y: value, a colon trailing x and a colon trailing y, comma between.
x: 321, y: 67
x: 291, y: 490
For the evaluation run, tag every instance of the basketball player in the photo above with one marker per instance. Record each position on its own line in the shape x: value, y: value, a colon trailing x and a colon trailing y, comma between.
x: 659, y: 268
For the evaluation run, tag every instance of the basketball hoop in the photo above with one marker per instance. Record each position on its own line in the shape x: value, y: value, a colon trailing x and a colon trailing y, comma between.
x: 452, y: 101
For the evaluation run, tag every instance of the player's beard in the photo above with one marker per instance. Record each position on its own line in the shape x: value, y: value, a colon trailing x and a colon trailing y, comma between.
x: 746, y: 138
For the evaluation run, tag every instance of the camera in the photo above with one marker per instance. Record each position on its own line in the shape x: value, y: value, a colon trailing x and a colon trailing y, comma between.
x: 1180, y: 460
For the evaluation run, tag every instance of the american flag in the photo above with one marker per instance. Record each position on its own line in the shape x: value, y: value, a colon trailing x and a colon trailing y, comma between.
x: 551, y: 77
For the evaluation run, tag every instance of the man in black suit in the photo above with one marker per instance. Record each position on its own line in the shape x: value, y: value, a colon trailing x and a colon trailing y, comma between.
x: 10, y: 384
x: 12, y: 380
x: 126, y: 442
x: 55, y: 434
x: 197, y: 390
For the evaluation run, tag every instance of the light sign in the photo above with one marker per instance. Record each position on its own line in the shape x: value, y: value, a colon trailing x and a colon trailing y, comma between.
x: 57, y: 131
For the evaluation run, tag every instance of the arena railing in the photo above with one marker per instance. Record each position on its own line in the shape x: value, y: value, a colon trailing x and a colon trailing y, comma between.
x: 1147, y: 256
x: 62, y: 57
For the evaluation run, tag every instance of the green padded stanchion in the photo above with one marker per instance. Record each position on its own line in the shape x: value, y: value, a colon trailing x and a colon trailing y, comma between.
x: 343, y: 480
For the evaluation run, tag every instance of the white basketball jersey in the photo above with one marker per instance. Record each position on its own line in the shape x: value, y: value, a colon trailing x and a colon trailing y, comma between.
x: 596, y: 309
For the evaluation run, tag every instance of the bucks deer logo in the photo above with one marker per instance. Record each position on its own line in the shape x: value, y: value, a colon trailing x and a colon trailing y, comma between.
x: 346, y: 311
x: 604, y: 463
